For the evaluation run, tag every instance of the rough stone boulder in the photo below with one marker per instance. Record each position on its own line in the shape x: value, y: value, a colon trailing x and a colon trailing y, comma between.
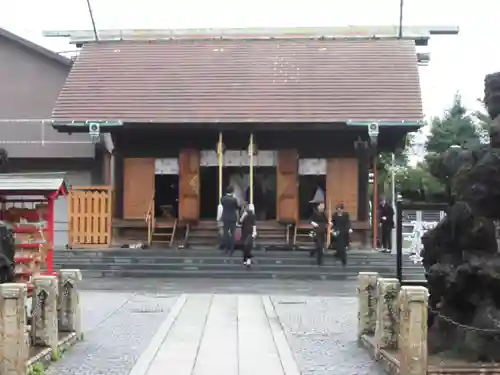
x: 460, y: 255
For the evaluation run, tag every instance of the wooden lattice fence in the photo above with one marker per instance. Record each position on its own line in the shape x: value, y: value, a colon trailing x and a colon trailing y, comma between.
x: 90, y: 215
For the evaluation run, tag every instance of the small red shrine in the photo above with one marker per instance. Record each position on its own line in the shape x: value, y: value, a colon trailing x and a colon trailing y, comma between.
x: 27, y: 205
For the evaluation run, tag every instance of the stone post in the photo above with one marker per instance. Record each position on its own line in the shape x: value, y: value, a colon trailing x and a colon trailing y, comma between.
x: 14, y: 346
x: 387, y: 326
x: 413, y: 330
x: 69, y: 302
x: 367, y: 302
x: 44, y: 324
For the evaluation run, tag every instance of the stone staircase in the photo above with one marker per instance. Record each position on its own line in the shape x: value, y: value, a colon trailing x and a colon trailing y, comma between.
x: 271, y: 236
x: 167, y: 263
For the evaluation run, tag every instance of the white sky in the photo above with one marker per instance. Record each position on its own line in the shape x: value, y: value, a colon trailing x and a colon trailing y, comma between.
x: 457, y: 63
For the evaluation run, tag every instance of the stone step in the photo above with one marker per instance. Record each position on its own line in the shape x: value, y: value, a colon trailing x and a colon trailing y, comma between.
x: 222, y: 259
x: 307, y: 266
x: 242, y: 273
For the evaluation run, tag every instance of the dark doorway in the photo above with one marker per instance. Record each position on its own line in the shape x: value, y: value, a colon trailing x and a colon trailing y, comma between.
x: 307, y: 189
x: 264, y: 190
x: 209, y: 192
x: 166, y: 195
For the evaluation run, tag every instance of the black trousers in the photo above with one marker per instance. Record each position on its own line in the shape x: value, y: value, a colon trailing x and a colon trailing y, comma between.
x: 229, y: 233
x: 320, y: 249
x: 387, y: 237
x: 247, y: 248
x: 342, y: 241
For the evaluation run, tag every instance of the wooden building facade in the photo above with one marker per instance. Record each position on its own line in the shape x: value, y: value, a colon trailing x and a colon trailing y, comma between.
x: 173, y: 106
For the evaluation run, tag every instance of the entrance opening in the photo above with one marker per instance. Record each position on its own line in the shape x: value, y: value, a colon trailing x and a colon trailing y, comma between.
x: 308, y: 186
x: 209, y: 186
x: 166, y: 196
x: 238, y: 177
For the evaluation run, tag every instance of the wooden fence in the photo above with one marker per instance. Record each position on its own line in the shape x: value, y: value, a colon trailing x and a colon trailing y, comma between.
x: 90, y: 216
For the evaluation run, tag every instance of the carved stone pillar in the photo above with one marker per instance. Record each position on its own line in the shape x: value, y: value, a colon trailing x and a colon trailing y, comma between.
x: 69, y: 311
x: 387, y: 327
x: 14, y: 347
x: 44, y: 324
x: 412, y: 341
x: 367, y: 302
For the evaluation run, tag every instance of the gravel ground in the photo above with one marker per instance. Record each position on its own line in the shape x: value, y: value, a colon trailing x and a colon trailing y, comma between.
x: 322, y: 334
x: 118, y: 327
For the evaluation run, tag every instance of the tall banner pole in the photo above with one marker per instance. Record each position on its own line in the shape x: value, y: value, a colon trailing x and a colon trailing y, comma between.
x: 393, y: 192
x: 220, y: 162
x: 251, y: 155
x: 375, y: 202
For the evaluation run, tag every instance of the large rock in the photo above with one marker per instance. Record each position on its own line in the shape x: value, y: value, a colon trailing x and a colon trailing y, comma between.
x: 460, y: 255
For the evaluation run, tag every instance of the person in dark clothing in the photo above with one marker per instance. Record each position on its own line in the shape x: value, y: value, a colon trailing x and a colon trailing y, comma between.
x: 248, y: 233
x: 386, y: 225
x: 341, y: 223
x: 319, y: 223
x: 229, y: 219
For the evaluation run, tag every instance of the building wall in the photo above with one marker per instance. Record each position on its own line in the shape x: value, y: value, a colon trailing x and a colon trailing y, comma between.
x: 140, y: 151
x: 30, y: 85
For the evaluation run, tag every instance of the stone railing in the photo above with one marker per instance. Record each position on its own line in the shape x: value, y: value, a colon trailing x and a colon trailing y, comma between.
x: 55, y: 309
x: 392, y: 323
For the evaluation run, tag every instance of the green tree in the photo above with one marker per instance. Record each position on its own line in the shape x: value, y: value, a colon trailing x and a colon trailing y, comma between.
x: 483, y: 122
x: 417, y: 183
x: 456, y: 127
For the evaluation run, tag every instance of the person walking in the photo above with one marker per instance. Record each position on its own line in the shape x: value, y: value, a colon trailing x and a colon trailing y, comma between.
x: 229, y: 219
x: 386, y: 225
x: 248, y: 233
x: 319, y: 223
x: 341, y: 223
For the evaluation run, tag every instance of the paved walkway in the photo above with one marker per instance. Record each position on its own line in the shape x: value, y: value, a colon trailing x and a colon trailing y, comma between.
x: 219, y: 334
x: 218, y: 330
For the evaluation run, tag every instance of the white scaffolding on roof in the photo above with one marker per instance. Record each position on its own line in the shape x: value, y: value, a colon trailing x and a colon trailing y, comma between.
x: 341, y: 32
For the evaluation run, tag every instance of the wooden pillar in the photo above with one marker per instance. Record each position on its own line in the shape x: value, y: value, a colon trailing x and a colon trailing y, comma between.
x: 139, y: 187
x: 342, y: 184
x: 287, y: 187
x: 363, y: 176
x: 189, y: 185
x: 118, y: 184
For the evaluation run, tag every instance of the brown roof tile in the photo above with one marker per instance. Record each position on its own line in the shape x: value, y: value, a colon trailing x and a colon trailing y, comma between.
x: 273, y: 80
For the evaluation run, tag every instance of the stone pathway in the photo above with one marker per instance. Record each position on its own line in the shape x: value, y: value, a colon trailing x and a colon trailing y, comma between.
x: 216, y: 332
x: 219, y: 334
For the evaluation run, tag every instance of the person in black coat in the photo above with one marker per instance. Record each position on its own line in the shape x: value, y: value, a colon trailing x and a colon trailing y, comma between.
x: 386, y: 225
x: 248, y: 233
x: 319, y: 222
x: 341, y: 225
x: 229, y: 219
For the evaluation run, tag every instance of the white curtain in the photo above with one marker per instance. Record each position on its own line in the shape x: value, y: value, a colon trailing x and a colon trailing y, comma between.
x: 240, y: 183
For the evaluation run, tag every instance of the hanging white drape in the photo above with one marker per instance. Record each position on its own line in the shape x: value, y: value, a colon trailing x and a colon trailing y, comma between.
x: 240, y: 184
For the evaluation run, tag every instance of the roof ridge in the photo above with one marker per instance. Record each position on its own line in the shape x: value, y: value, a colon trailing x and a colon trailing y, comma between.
x: 34, y: 47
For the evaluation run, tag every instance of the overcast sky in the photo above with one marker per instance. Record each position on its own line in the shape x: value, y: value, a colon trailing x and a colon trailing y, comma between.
x: 457, y: 63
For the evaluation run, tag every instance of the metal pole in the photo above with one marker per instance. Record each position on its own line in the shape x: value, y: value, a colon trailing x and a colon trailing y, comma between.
x: 251, y: 154
x: 375, y: 203
x: 220, y: 162
x: 401, y: 6
x: 393, y: 192
x: 399, y: 240
x: 93, y: 21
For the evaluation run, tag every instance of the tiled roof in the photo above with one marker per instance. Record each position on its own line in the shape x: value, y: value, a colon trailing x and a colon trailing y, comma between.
x: 254, y: 80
